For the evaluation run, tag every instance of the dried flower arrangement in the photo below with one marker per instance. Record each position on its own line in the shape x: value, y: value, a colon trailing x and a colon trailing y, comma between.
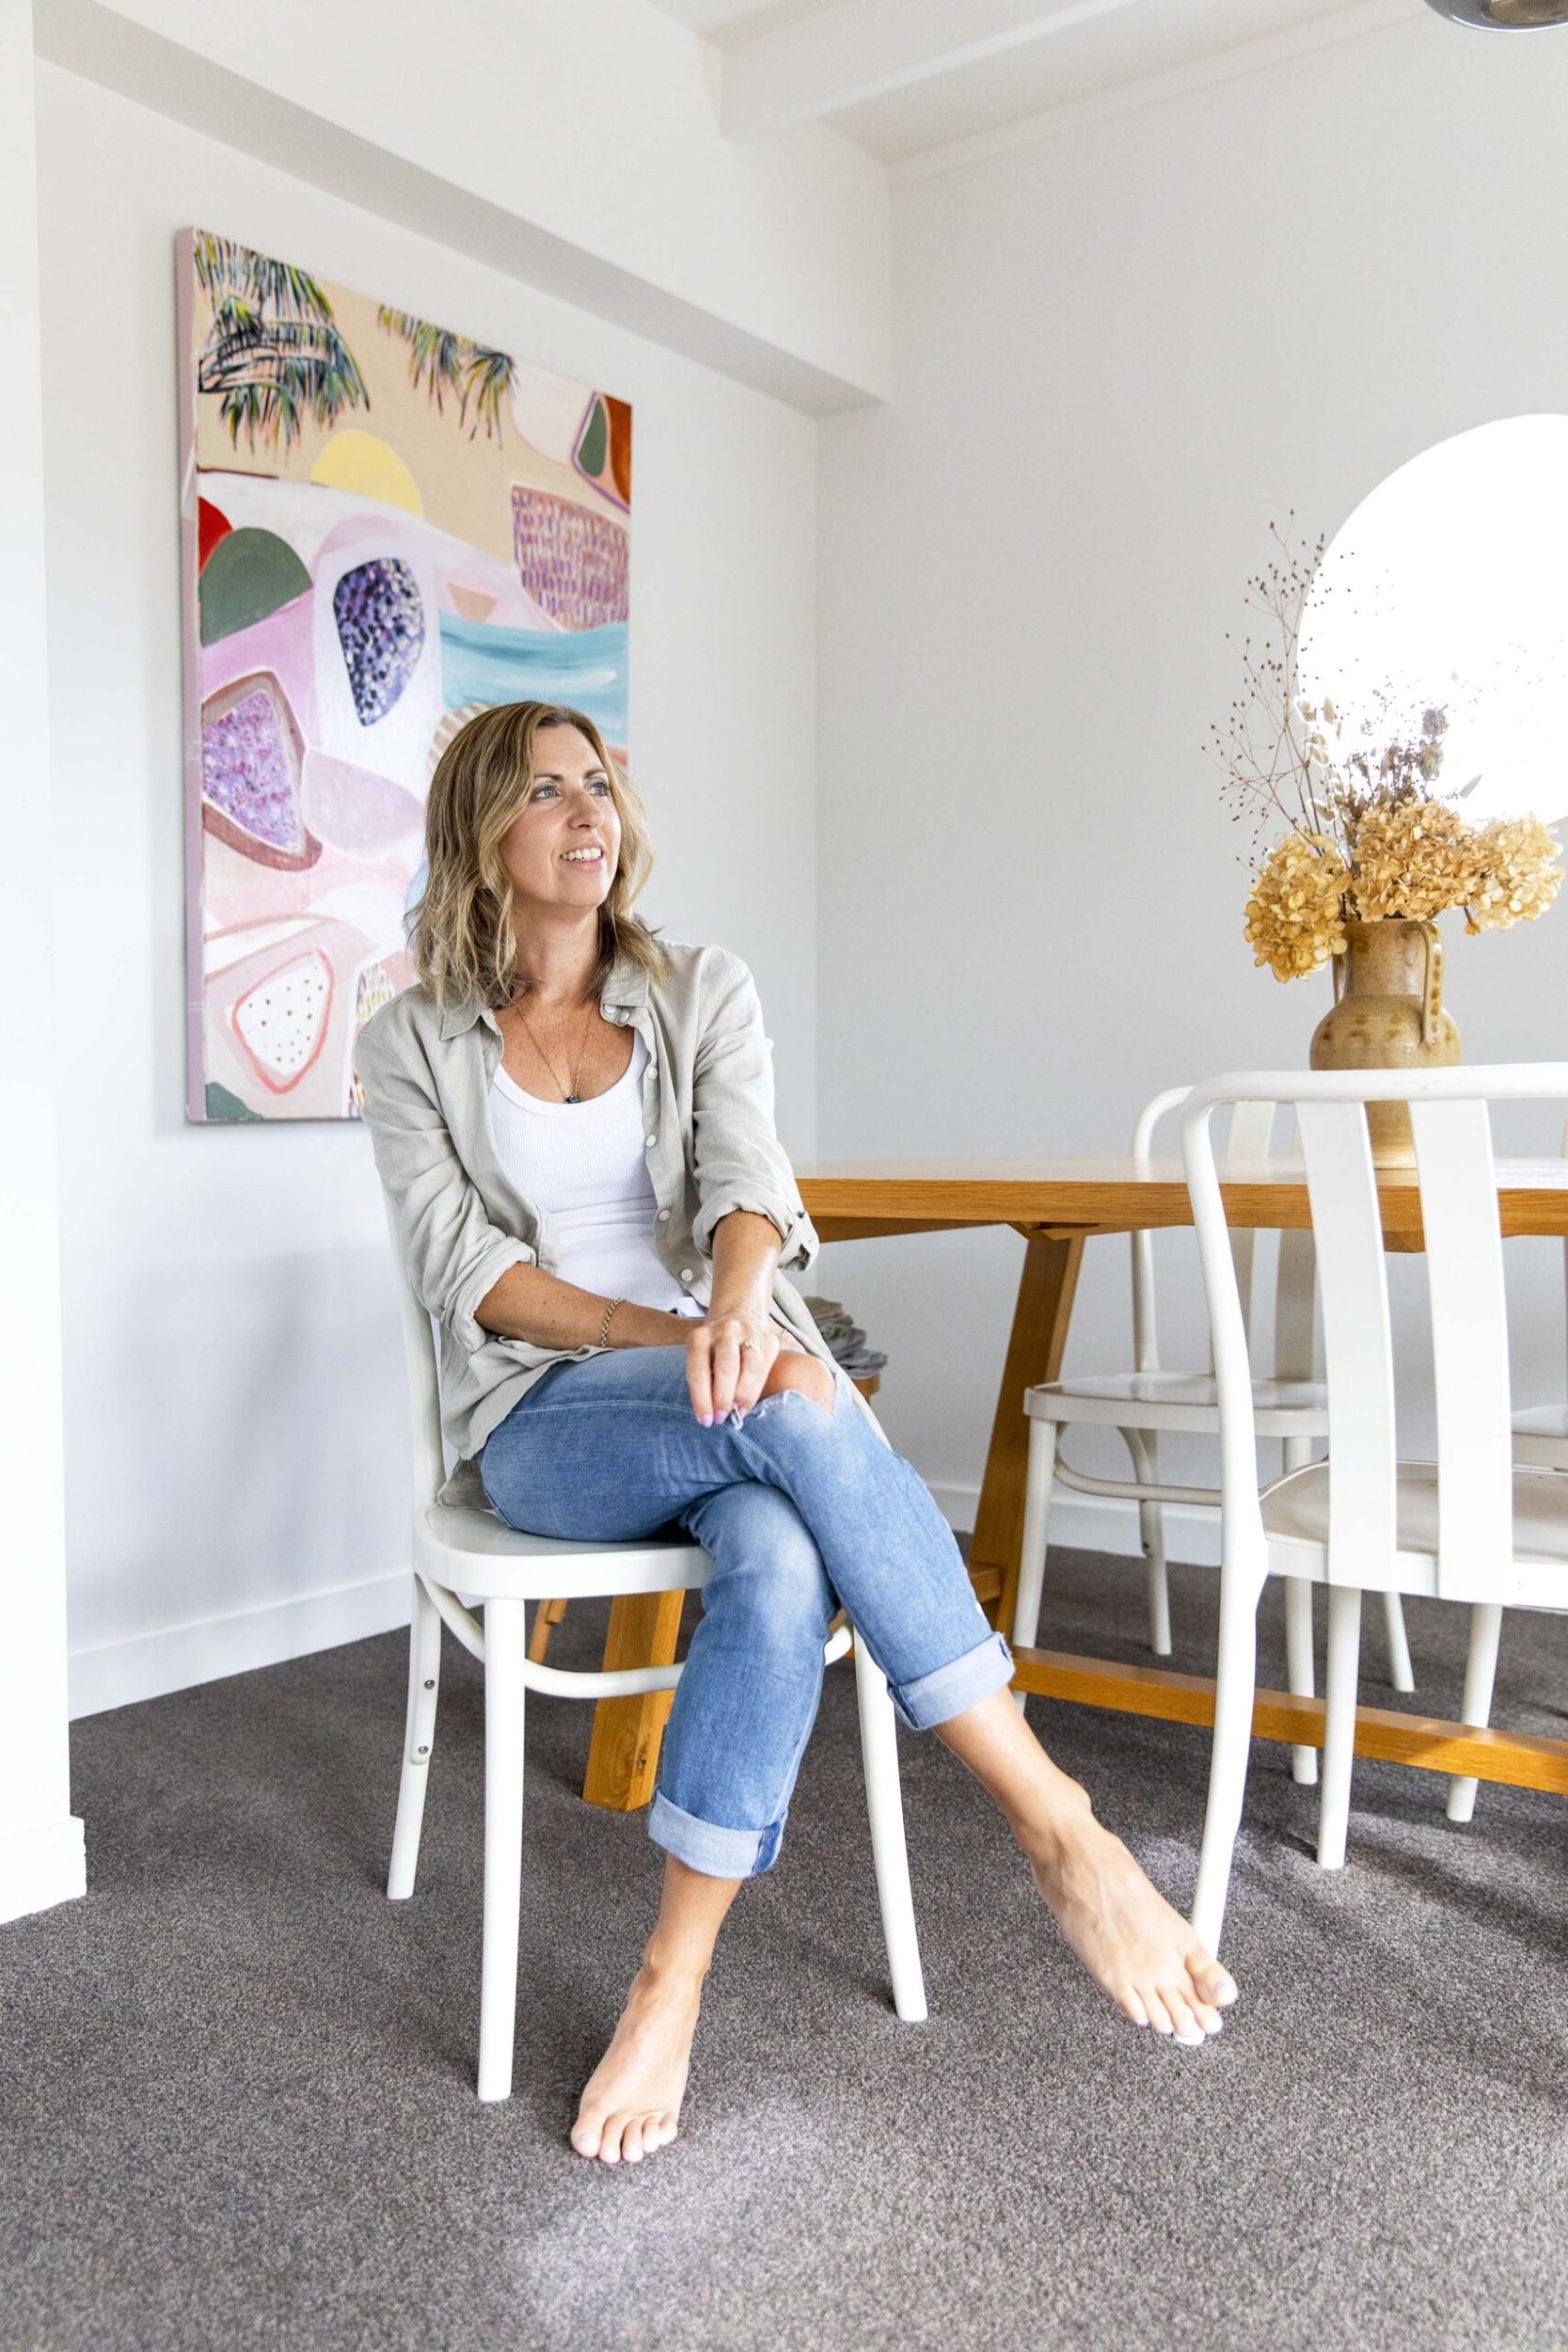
x: 1368, y: 838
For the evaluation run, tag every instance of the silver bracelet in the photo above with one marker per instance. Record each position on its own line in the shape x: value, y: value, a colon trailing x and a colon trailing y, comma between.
x: 603, y: 1327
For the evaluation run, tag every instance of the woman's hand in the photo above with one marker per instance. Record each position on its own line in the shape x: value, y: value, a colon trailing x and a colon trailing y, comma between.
x: 728, y: 1358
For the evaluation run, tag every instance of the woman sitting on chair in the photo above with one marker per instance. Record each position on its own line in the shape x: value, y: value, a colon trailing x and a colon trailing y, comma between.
x: 574, y: 1121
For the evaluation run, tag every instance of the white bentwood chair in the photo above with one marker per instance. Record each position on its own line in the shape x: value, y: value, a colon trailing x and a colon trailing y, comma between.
x: 1288, y: 1405
x: 1471, y: 1527
x: 460, y: 1550
x: 1540, y: 1431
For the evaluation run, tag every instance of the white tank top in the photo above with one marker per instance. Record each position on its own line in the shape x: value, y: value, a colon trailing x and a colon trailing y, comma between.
x: 585, y: 1163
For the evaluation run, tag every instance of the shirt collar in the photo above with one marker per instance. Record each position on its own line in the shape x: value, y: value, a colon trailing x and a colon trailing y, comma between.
x: 628, y: 985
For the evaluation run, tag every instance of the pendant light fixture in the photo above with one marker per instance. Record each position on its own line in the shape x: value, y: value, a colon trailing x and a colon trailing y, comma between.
x: 1503, y: 16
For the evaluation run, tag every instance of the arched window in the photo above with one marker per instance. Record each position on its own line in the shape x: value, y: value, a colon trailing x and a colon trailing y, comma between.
x: 1448, y: 587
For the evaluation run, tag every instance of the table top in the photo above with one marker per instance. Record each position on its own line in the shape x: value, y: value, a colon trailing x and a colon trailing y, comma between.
x: 859, y: 1198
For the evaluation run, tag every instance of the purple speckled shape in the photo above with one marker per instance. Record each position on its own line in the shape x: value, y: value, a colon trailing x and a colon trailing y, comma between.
x: 380, y: 618
x: 244, y: 770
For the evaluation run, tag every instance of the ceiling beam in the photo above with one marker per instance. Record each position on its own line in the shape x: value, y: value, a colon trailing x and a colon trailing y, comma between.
x: 862, y: 49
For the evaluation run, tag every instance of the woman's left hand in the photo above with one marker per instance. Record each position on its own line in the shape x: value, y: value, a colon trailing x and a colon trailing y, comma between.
x: 727, y: 1360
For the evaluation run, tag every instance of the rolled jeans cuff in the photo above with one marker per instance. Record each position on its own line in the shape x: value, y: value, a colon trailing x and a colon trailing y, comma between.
x: 718, y: 1853
x: 935, y: 1698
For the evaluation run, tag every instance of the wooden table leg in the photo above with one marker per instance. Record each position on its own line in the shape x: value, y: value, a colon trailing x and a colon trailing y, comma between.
x: 1045, y: 1293
x: 622, y: 1755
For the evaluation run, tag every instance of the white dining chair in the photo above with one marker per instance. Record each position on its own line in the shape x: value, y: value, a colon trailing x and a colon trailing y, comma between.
x: 1471, y: 1527
x: 463, y: 1554
x: 1148, y: 1401
x: 1540, y: 1441
x: 1540, y: 1431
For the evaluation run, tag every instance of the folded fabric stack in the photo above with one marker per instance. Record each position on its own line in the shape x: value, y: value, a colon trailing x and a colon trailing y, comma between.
x: 845, y: 1338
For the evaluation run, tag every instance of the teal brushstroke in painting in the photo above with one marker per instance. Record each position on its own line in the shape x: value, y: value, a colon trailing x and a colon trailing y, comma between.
x: 221, y: 1104
x: 585, y: 667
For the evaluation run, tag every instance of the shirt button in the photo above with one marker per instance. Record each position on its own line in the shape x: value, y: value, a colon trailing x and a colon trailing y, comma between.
x: 687, y: 1274
x: 664, y: 1217
x: 650, y: 1140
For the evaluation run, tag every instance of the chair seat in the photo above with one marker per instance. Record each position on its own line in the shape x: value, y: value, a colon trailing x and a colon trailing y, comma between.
x: 1178, y: 1401
x: 1295, y: 1521
x: 1542, y: 1420
x: 471, y: 1549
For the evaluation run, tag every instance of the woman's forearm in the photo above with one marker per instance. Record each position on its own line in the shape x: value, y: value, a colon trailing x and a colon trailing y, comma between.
x: 529, y: 1304
x: 745, y: 1259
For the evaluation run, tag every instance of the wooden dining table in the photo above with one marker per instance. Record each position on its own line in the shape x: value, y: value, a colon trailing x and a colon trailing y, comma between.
x: 1058, y: 1205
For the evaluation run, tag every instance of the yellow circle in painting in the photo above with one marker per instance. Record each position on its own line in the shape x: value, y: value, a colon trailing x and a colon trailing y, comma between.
x: 363, y: 463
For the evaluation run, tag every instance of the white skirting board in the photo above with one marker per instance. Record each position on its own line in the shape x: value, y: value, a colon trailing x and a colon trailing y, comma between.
x: 172, y: 1657
x: 1098, y: 1524
x: 41, y: 1867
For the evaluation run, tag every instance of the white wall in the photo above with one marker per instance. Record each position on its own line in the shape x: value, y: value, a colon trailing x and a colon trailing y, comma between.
x: 1117, y: 353
x: 576, y: 146
x: 41, y: 1842
x: 235, y: 1432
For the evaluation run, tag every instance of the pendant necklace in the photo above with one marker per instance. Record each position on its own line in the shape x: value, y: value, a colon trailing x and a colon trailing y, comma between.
x: 574, y: 1096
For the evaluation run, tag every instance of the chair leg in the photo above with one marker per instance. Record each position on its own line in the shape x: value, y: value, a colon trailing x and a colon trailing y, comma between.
x: 1145, y: 1450
x: 506, y: 1658
x: 884, y: 1802
x: 1300, y: 1669
x: 547, y: 1616
x: 1339, y: 1694
x: 1481, y: 1670
x: 418, y: 1738
x: 1235, y: 1681
x: 1032, y: 1549
x: 1399, y: 1673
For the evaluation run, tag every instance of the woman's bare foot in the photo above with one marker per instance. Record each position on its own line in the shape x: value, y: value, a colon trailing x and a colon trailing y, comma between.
x: 1135, y: 1945
x: 632, y: 2104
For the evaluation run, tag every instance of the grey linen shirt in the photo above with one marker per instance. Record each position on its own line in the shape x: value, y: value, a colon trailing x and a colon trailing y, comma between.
x: 707, y: 1108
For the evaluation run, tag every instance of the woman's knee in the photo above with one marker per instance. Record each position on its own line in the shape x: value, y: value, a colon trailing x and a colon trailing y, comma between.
x: 798, y: 1375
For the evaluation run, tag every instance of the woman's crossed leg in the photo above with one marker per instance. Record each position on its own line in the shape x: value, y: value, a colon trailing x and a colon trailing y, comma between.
x: 800, y: 1507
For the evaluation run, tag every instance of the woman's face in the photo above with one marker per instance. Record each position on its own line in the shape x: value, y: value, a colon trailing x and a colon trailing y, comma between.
x: 561, y: 851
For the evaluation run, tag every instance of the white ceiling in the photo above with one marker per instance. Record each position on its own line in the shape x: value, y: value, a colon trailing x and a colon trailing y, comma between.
x: 904, y: 77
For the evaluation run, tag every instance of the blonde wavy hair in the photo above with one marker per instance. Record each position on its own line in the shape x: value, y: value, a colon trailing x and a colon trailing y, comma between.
x: 461, y: 936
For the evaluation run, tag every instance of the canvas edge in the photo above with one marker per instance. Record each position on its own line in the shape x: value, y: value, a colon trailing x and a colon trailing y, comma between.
x: 190, y: 651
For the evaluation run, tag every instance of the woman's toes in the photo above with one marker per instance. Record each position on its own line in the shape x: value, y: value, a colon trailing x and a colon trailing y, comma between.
x: 585, y: 2135
x: 658, y: 2131
x: 1213, y: 1984
x: 1159, y: 2015
x: 631, y: 2141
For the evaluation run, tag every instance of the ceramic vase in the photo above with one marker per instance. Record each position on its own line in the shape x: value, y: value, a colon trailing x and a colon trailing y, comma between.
x: 1388, y: 1015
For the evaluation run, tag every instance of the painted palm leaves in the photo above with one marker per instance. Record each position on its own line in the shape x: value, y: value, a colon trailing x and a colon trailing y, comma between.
x: 272, y: 355
x: 478, y: 379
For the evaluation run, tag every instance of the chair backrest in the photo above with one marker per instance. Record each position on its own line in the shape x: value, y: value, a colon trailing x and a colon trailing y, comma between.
x: 424, y: 1382
x: 1456, y: 1178
x: 1250, y: 1132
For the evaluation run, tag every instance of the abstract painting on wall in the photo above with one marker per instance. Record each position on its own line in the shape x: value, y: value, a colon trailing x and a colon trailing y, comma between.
x: 386, y: 527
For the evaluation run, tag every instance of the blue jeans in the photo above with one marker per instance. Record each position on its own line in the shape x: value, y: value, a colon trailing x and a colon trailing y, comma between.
x: 801, y: 1510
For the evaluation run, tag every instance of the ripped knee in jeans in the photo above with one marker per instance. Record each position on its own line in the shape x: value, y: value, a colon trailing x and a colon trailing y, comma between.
x: 803, y: 1376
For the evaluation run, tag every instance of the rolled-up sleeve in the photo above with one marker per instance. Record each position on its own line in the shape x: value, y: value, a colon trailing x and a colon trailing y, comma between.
x: 453, y: 1254
x: 739, y: 1161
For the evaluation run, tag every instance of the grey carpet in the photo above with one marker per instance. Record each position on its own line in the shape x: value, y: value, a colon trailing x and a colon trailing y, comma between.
x: 236, y: 2106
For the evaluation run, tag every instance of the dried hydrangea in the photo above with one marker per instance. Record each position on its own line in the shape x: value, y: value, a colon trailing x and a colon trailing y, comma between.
x: 1516, y: 873
x: 1411, y: 858
x: 1296, y: 915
